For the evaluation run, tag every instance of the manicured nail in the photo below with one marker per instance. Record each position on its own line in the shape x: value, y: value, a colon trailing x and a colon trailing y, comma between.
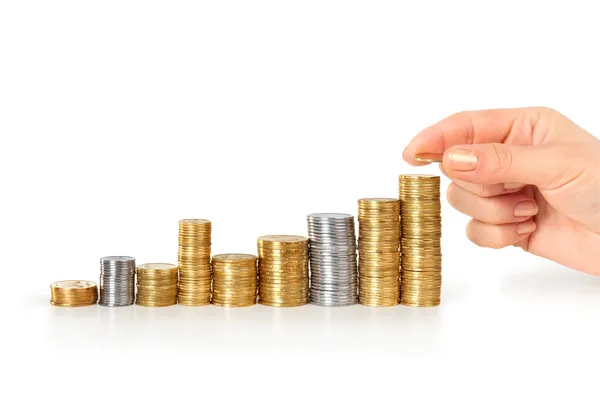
x: 429, y: 157
x: 513, y: 186
x: 462, y: 159
x: 525, y: 227
x: 526, y: 208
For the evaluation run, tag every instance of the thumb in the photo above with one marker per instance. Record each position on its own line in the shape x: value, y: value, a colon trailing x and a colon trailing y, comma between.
x: 546, y: 166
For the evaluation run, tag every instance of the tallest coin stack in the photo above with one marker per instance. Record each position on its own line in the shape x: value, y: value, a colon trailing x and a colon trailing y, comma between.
x: 421, y: 274
x: 194, y: 262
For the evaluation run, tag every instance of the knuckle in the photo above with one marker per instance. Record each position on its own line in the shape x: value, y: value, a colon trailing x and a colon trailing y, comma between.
x: 460, y: 115
x: 501, y: 159
x: 545, y: 111
x: 494, y: 209
x: 465, y: 118
x: 486, y: 191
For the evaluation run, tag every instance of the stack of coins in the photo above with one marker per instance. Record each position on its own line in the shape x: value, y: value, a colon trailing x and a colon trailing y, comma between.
x: 379, y: 259
x: 283, y: 270
x: 117, y: 280
x: 234, y: 280
x: 333, y: 270
x: 194, y: 262
x: 421, y: 275
x: 73, y: 293
x: 156, y: 284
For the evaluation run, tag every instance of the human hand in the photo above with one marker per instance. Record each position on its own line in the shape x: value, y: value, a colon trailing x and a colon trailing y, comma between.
x: 528, y: 177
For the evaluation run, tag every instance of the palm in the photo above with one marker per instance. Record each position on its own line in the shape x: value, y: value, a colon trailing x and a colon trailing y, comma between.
x: 556, y: 230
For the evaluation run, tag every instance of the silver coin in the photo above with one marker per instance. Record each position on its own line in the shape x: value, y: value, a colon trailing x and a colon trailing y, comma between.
x: 117, y: 281
x: 329, y: 215
x: 335, y: 294
x: 333, y: 259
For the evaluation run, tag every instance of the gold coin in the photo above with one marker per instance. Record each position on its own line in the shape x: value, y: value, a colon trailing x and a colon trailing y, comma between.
x: 157, y: 267
x: 379, y: 230
x: 157, y: 284
x: 73, y: 293
x: 194, y: 262
x: 283, y: 270
x: 235, y: 281
x: 234, y: 258
x: 281, y: 239
x: 421, y: 224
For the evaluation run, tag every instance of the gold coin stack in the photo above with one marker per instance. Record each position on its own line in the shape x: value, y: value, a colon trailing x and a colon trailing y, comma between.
x: 421, y: 274
x: 234, y: 280
x: 156, y: 284
x: 73, y: 293
x: 283, y: 270
x: 379, y: 259
x: 194, y: 262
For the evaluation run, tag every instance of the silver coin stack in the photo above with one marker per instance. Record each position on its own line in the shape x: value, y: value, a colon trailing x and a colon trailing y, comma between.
x: 333, y: 266
x: 117, y: 281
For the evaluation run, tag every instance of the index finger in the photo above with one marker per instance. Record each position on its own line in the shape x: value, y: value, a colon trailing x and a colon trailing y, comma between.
x: 464, y: 128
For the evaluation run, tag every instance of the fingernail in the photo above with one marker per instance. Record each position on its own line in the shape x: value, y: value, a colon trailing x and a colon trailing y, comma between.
x: 513, y: 186
x: 526, y: 208
x: 462, y: 159
x: 429, y: 157
x: 525, y: 227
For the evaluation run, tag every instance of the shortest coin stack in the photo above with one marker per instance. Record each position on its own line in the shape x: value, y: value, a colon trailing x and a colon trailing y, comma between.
x: 73, y: 293
x: 234, y: 280
x: 157, y: 284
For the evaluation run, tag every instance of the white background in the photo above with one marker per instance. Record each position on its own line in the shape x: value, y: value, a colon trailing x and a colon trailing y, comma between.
x: 118, y: 118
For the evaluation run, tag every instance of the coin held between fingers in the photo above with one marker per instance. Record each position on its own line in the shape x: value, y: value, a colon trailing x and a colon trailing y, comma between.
x: 429, y: 157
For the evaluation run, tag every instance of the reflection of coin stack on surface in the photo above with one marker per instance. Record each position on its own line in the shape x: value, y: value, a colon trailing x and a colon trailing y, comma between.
x: 156, y: 284
x: 333, y: 270
x: 194, y: 262
x: 421, y: 273
x: 234, y: 280
x: 379, y: 259
x: 117, y: 281
x: 73, y: 293
x: 283, y: 270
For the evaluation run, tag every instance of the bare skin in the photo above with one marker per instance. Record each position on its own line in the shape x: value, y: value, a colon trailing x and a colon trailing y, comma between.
x: 528, y: 177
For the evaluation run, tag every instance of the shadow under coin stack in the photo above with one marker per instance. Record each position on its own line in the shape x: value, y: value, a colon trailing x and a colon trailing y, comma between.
x: 333, y: 272
x: 421, y: 274
x: 234, y: 280
x: 194, y: 262
x: 117, y: 281
x: 156, y: 284
x: 283, y: 270
x: 73, y: 293
x: 379, y: 259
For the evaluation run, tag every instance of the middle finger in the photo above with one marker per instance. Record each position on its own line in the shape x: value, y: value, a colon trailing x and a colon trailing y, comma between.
x: 485, y: 190
x: 508, y: 208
